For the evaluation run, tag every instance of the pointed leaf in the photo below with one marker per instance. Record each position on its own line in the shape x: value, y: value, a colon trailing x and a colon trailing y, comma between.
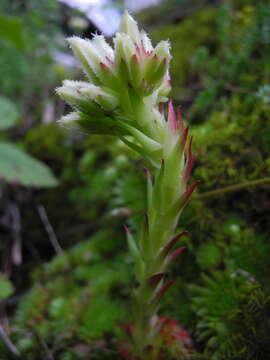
x: 187, y: 195
x: 127, y: 328
x: 133, y: 248
x: 149, y: 187
x: 171, y: 243
x: 174, y: 254
x: 163, y: 290
x: 154, y: 280
x: 165, y: 251
x: 190, y: 162
x: 158, y: 189
x: 145, y: 241
x: 172, y: 118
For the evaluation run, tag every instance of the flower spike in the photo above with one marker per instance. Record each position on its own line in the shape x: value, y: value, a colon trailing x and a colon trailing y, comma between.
x: 125, y: 95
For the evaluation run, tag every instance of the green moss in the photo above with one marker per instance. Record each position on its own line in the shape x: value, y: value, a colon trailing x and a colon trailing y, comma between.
x: 79, y: 295
x: 185, y: 40
x: 227, y: 305
x: 101, y: 317
x: 47, y: 142
x: 208, y: 256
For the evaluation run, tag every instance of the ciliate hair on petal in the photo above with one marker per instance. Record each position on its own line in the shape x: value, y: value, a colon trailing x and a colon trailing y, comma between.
x: 73, y: 116
x: 75, y: 83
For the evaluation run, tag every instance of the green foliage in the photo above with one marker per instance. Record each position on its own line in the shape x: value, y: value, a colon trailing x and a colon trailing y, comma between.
x: 184, y: 50
x: 50, y: 144
x: 15, y: 69
x: 20, y: 168
x: 91, y: 174
x: 11, y: 29
x: 244, y: 252
x: 232, y: 56
x: 6, y: 288
x: 227, y: 83
x: 221, y: 70
x: 124, y: 196
x: 8, y: 113
x: 208, y: 255
x: 109, y: 312
x: 107, y: 177
x: 23, y: 36
x: 232, y: 309
x: 16, y: 165
x: 70, y: 292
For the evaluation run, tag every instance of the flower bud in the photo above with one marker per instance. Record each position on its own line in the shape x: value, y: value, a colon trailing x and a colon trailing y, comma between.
x: 107, y: 101
x: 165, y: 87
x: 92, y: 124
x: 72, y: 93
x: 101, y: 95
x: 156, y: 66
x: 145, y: 44
x: 80, y: 48
x: 97, y: 58
x: 129, y: 64
x: 88, y: 98
x: 103, y: 49
x: 124, y: 50
x: 129, y: 26
x: 136, y: 72
x: 162, y: 50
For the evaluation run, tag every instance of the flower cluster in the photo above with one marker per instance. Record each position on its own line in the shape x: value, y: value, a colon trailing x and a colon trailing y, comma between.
x: 133, y: 60
x: 121, y: 79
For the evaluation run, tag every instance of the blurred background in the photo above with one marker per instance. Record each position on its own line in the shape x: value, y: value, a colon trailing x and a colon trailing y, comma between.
x: 66, y: 273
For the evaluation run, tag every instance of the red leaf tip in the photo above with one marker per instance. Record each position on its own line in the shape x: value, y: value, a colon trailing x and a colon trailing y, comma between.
x: 177, y: 252
x: 126, y: 229
x: 104, y: 67
x: 172, y: 118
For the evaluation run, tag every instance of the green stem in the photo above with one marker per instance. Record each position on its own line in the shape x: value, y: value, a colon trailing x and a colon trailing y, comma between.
x: 158, y: 230
x: 234, y: 187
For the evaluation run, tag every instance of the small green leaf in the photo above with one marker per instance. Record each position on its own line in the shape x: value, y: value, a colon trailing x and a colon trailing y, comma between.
x: 133, y: 248
x: 6, y: 288
x: 16, y: 166
x: 8, y: 113
x: 135, y: 252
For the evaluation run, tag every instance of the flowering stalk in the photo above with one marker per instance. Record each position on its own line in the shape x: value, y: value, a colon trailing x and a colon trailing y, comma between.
x: 125, y: 97
x: 167, y: 195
